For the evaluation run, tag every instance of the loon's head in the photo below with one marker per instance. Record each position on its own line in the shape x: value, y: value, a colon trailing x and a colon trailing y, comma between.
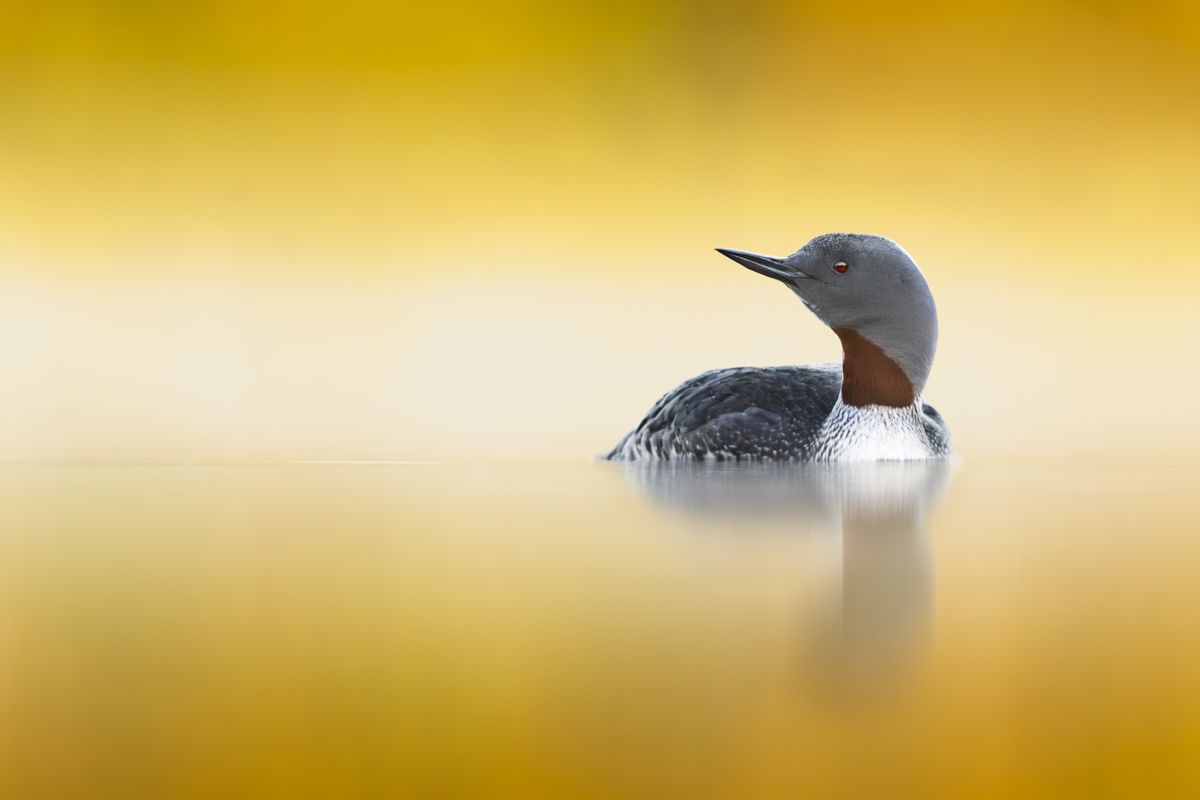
x: 871, y: 293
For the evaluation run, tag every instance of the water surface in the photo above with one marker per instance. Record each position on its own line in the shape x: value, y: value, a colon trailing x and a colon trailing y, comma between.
x: 987, y: 628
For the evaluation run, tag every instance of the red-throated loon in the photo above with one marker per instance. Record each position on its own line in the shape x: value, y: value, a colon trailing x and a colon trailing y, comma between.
x: 868, y: 408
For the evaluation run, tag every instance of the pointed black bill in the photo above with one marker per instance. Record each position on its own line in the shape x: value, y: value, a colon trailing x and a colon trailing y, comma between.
x: 770, y: 266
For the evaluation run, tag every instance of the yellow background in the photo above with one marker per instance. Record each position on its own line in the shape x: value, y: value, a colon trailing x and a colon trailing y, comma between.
x: 483, y: 230
x: 467, y: 232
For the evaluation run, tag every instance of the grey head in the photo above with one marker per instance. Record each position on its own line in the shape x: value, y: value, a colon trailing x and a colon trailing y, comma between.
x: 864, y: 284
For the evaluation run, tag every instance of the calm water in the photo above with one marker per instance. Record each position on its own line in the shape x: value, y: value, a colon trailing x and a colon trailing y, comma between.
x: 1006, y: 629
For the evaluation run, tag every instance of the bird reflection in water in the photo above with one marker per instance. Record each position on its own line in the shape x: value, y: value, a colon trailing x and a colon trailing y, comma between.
x: 870, y: 631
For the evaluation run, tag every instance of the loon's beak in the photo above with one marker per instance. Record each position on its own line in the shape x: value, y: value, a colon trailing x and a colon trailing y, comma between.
x: 770, y: 266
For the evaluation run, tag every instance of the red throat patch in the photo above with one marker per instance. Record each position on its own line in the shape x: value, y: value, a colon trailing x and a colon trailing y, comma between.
x: 869, y: 376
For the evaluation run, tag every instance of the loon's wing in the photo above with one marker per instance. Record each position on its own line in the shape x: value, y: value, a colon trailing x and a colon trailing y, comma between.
x: 936, y: 430
x: 743, y: 412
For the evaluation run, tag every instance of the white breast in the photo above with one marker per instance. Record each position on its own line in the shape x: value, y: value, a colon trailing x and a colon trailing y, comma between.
x: 873, y: 433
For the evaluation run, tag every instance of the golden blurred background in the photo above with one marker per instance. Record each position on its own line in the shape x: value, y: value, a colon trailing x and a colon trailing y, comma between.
x: 243, y: 230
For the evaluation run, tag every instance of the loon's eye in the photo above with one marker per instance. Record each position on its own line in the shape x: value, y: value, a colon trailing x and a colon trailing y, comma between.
x: 841, y: 266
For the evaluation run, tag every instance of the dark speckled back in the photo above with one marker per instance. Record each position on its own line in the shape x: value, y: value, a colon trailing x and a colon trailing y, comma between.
x: 770, y: 413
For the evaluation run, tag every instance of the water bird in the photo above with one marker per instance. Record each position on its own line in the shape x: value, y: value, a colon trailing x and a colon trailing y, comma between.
x: 871, y: 293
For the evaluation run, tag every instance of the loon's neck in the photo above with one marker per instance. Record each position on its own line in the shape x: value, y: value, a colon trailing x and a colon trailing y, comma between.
x: 869, y: 376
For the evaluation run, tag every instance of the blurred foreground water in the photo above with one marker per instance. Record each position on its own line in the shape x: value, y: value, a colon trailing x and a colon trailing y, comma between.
x: 599, y: 630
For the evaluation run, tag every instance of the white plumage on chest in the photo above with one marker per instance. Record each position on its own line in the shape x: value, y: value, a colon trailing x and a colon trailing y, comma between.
x: 873, y: 433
